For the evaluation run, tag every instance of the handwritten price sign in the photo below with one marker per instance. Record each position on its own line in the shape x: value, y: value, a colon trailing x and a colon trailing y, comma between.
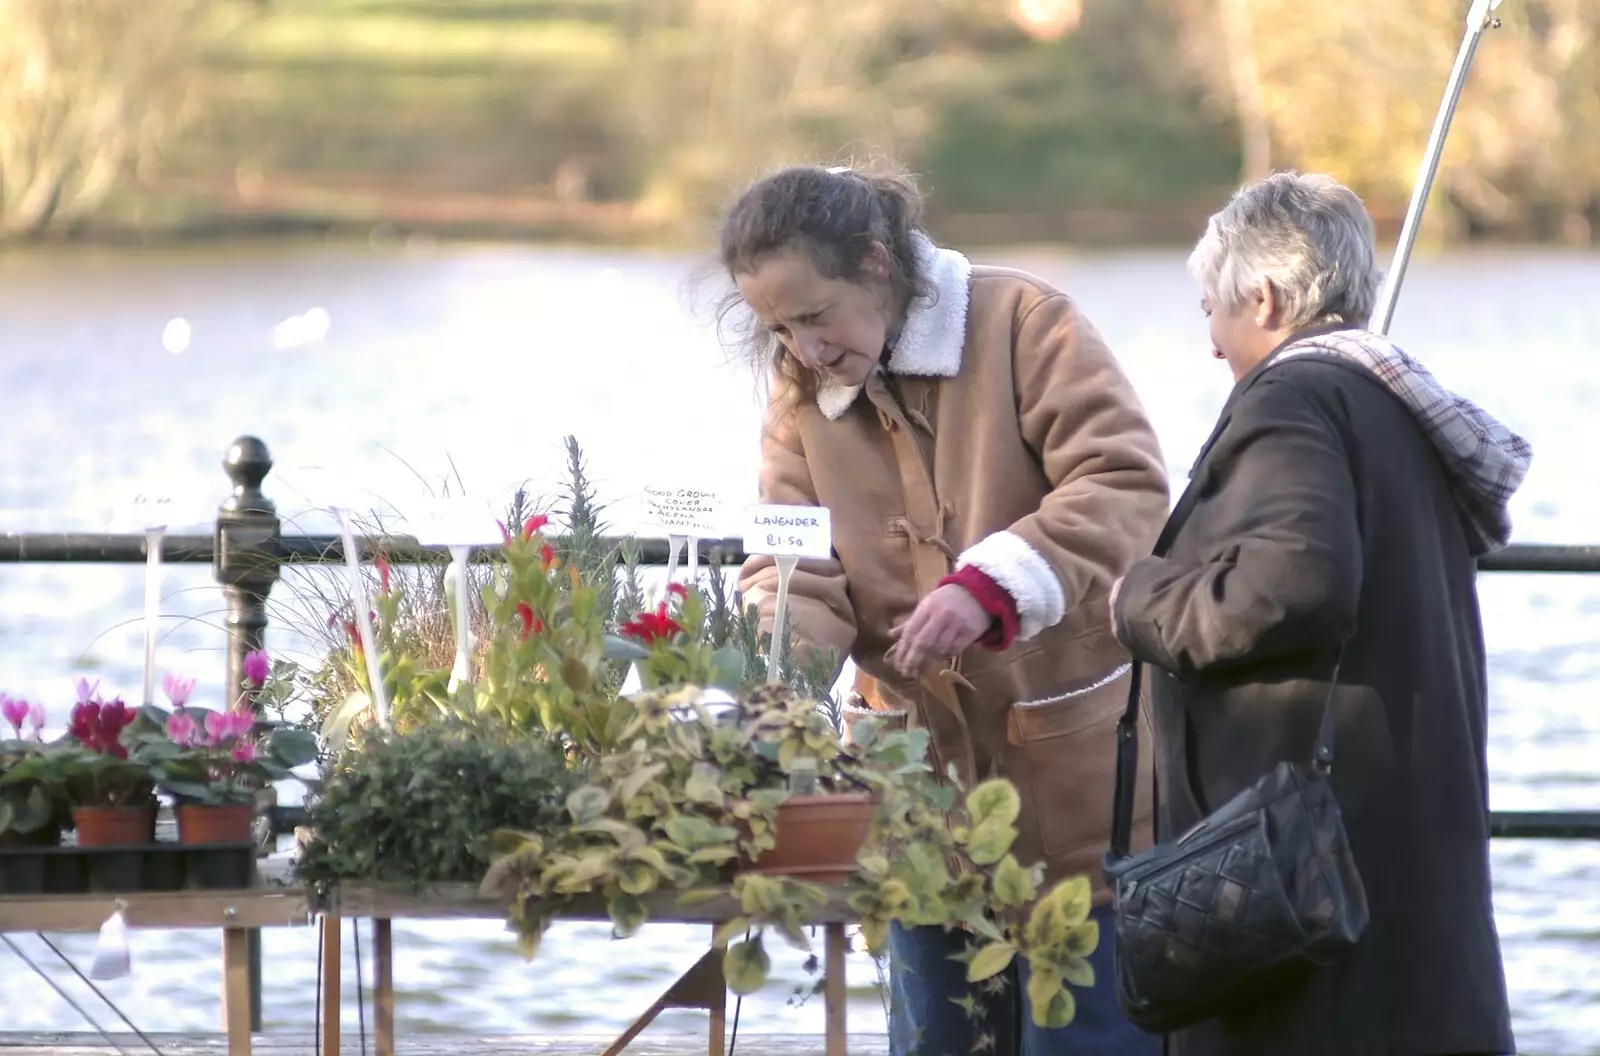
x: 789, y: 531
x: 149, y: 511
x: 693, y: 512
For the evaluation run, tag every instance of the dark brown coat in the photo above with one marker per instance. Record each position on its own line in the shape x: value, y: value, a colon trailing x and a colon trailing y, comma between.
x: 1319, y: 514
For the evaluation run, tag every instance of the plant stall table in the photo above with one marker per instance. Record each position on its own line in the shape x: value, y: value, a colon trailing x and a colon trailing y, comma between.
x: 701, y: 987
x: 235, y: 912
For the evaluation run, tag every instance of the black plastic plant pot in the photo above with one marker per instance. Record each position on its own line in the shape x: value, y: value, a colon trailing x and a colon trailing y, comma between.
x: 66, y: 872
x: 116, y: 871
x: 219, y: 866
x: 163, y: 869
x: 22, y: 872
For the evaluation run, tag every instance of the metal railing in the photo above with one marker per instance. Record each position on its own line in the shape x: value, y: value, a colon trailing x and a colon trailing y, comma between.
x: 247, y: 551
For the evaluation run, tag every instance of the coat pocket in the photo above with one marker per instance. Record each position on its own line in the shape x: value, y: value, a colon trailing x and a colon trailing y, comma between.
x: 1064, y: 747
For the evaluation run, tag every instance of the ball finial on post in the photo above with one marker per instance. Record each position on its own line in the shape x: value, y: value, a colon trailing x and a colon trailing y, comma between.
x: 247, y: 463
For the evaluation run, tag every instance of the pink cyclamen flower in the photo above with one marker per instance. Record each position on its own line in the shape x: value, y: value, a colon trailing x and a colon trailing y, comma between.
x: 181, y: 728
x: 177, y: 689
x: 36, y: 719
x: 14, y: 712
x: 224, y: 726
x: 257, y: 667
x: 244, y: 752
x: 87, y: 690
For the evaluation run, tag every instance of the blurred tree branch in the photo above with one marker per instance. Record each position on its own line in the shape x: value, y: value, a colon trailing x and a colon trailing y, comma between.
x: 1352, y: 88
x: 89, y: 91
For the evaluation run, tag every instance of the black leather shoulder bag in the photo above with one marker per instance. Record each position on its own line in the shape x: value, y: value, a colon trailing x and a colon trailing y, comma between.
x: 1240, y: 906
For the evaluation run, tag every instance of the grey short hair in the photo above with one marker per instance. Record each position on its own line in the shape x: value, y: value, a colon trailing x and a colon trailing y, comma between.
x: 1308, y: 235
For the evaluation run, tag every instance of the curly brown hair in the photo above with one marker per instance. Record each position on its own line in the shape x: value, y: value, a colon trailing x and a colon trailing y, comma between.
x: 834, y: 215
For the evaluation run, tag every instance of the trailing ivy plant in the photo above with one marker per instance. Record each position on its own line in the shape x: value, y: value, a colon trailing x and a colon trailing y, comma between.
x: 689, y: 794
x: 416, y: 808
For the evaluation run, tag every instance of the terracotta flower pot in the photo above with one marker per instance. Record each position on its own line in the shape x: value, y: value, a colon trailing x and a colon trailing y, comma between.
x: 115, y: 826
x: 818, y: 838
x: 214, y: 823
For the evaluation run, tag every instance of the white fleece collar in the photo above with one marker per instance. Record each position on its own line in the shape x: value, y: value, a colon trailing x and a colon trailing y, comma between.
x: 935, y: 331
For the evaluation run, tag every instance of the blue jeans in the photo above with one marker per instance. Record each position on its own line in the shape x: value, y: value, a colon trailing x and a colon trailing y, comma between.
x: 924, y: 1021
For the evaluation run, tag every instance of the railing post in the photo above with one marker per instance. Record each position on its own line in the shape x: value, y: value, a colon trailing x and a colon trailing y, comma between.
x: 245, y: 562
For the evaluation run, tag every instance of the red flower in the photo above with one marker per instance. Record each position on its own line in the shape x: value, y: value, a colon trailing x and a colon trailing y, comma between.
x: 98, y: 727
x: 354, y: 634
x: 547, y: 557
x: 531, y: 525
x: 648, y: 627
x: 531, y: 624
x: 382, y: 565
x: 678, y: 590
x: 85, y: 723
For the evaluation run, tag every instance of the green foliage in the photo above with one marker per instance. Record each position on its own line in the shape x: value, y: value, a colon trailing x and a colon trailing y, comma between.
x: 80, y: 777
x: 685, y: 796
x: 416, y: 808
x: 28, y: 805
x: 210, y: 773
x: 673, y: 792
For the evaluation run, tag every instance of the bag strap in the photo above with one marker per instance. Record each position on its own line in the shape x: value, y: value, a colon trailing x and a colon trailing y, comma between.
x: 1128, y: 754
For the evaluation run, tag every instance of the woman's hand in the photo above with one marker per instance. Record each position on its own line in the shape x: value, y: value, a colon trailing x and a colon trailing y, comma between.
x: 944, y: 624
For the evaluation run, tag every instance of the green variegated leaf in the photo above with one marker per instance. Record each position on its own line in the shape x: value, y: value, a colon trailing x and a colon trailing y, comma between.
x: 1013, y: 886
x: 746, y: 966
x: 587, y: 804
x: 699, y: 896
x: 1043, y: 985
x: 989, y: 841
x: 729, y: 930
x: 1078, y: 972
x: 990, y: 960
x: 628, y: 914
x: 994, y: 801
x: 1058, y: 1013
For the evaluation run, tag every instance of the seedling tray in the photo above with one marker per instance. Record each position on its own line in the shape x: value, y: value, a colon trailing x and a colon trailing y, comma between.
x: 126, y: 870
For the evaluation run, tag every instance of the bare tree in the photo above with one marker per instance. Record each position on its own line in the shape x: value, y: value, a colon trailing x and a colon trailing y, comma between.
x: 89, y: 91
x: 1351, y: 89
x: 1255, y: 131
x: 726, y: 88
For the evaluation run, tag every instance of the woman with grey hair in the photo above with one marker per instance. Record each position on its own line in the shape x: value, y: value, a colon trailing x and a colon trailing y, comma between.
x: 1326, y: 544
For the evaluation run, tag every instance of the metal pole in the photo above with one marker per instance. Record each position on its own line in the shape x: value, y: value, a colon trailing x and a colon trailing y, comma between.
x: 246, y: 563
x: 1479, y: 18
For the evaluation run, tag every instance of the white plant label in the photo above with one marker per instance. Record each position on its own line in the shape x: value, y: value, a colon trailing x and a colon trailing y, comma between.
x: 790, y: 531
x: 456, y: 522
x: 692, y: 512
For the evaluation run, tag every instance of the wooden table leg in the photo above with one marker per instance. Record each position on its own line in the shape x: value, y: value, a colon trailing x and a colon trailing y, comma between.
x: 717, y: 1003
x: 383, y: 986
x: 236, y: 989
x: 835, y: 987
x: 332, y: 991
x: 702, y: 986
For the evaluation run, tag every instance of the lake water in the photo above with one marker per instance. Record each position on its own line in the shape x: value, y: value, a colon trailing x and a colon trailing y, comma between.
x: 483, y: 358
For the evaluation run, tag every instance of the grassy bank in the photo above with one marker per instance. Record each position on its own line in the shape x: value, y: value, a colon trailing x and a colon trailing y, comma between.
x: 561, y: 119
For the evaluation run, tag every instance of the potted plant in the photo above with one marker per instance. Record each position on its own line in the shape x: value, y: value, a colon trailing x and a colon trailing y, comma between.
x: 819, y: 827
x: 415, y: 808
x: 691, y: 800
x: 213, y: 763
x: 111, y: 792
x: 31, y: 813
